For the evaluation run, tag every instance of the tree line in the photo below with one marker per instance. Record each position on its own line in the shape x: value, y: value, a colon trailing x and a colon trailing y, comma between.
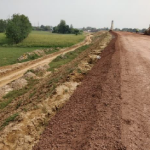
x: 18, y: 28
x: 42, y: 28
x: 63, y: 28
x: 131, y: 30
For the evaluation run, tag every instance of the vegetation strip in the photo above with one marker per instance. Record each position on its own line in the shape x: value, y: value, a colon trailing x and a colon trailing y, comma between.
x: 8, y: 120
x: 64, y: 59
x: 8, y: 98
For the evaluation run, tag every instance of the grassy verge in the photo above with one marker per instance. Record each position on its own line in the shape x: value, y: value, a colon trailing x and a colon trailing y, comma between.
x: 9, y: 55
x: 16, y: 93
x: 68, y: 57
x: 5, y: 103
x: 35, y: 56
x: 8, y: 120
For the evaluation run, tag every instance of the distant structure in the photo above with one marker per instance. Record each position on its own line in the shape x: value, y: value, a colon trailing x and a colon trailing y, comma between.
x: 147, y: 32
x: 112, y: 26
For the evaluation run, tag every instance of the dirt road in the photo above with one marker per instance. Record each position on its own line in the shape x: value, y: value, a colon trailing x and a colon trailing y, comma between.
x: 110, y: 109
x: 14, y: 72
x: 135, y: 90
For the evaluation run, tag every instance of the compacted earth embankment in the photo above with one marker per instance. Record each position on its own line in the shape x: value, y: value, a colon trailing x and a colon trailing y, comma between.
x: 37, y: 96
x: 91, y: 119
x: 110, y: 109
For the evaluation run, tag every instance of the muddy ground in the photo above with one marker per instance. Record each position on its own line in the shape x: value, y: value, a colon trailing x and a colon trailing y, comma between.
x: 48, y: 95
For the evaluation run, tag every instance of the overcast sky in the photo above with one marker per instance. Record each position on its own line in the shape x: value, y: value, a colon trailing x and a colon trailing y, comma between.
x: 81, y: 13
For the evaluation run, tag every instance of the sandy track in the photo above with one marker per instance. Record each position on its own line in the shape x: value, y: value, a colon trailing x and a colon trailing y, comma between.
x: 110, y: 110
x: 14, y: 72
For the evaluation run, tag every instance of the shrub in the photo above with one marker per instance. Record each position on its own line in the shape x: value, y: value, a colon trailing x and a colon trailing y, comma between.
x: 18, y: 28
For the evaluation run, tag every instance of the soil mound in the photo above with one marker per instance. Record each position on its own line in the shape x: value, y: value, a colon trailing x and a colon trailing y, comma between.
x: 5, y: 89
x: 29, y: 75
x: 19, y: 84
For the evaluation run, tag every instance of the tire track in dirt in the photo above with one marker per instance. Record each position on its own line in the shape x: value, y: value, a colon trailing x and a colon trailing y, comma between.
x: 16, y: 71
x: 91, y: 119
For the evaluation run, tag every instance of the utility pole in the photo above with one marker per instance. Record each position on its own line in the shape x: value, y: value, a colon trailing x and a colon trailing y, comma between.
x: 112, y: 26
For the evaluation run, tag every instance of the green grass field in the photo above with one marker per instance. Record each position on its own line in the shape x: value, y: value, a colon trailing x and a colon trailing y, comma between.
x: 9, y: 55
x: 35, y: 40
x: 45, y: 39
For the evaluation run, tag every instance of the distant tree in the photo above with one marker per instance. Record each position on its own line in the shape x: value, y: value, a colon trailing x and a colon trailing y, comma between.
x: 55, y: 29
x: 117, y: 29
x: 71, y: 29
x: 3, y: 25
x: 67, y: 29
x: 42, y: 27
x: 143, y: 30
x: 47, y: 28
x: 76, y: 31
x: 62, y: 27
x: 18, y: 28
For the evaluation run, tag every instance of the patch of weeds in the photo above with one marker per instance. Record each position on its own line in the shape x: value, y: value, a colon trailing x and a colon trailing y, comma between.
x: 30, y: 57
x: 8, y: 120
x: 52, y: 89
x: 66, y: 91
x: 20, y: 92
x: 54, y: 80
x: 4, y: 103
x: 18, y: 104
x: 25, y: 110
x: 70, y: 71
x: 32, y: 94
x: 79, y: 70
x: 52, y: 51
x: 16, y: 93
x: 68, y: 57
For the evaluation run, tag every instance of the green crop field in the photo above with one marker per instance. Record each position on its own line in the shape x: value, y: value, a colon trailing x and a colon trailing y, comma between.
x: 9, y: 55
x: 45, y: 39
x: 36, y: 40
